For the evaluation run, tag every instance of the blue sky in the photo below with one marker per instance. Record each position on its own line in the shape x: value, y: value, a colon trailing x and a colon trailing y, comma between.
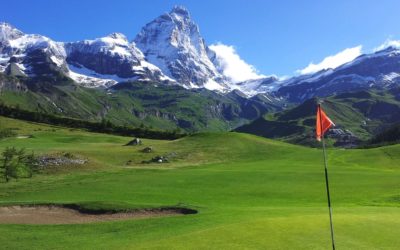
x: 277, y: 37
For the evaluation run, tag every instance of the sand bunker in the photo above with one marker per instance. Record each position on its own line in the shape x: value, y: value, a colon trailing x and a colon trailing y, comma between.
x: 69, y: 214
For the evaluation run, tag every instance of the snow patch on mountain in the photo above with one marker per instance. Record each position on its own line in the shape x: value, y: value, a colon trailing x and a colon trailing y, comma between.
x: 353, y: 78
x: 213, y: 85
x: 115, y: 44
x: 90, y: 78
x: 391, y: 77
x: 267, y: 84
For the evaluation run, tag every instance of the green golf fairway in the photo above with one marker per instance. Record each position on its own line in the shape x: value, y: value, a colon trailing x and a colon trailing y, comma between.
x: 250, y: 193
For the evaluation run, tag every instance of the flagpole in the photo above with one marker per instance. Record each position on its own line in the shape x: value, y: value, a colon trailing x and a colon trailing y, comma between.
x: 327, y: 180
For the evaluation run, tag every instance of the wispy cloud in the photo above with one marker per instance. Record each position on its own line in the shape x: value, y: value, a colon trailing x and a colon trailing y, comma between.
x: 333, y: 61
x: 388, y: 43
x: 231, y: 65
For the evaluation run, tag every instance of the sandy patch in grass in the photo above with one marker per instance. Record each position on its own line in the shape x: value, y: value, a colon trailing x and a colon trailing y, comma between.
x: 52, y: 214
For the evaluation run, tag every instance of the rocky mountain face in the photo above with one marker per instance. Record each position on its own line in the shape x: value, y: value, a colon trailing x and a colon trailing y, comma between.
x: 29, y: 55
x: 101, y: 62
x: 111, y: 57
x: 173, y: 43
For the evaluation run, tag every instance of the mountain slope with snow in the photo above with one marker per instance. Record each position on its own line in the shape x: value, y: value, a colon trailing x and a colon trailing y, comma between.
x: 101, y: 62
x: 29, y: 55
x: 377, y: 70
x: 110, y: 58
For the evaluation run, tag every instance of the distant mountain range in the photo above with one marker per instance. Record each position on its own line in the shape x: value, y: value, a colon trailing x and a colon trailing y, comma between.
x: 171, y: 50
x: 168, y: 54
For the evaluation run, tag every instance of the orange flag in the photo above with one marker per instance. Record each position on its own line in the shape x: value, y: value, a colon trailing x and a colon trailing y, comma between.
x: 323, y: 123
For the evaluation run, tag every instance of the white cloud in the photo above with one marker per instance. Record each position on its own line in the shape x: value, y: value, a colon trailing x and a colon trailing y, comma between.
x: 388, y: 43
x: 231, y: 65
x: 333, y: 61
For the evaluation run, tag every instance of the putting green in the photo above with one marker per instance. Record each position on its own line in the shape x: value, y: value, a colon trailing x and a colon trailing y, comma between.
x: 251, y: 193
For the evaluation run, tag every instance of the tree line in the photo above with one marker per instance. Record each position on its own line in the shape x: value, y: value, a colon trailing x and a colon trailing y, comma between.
x: 105, y: 126
x: 387, y: 137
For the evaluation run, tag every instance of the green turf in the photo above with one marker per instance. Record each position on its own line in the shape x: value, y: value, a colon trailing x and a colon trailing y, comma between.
x: 251, y: 193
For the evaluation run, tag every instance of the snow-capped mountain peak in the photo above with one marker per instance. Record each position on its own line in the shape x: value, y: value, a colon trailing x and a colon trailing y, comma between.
x: 99, y: 62
x: 14, y: 40
x: 173, y: 43
x: 180, y: 10
x: 118, y: 37
x: 9, y: 32
x: 115, y: 43
x: 29, y: 54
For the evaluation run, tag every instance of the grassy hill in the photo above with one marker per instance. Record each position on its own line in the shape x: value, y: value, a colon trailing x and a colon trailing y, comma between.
x: 364, y: 114
x: 250, y: 192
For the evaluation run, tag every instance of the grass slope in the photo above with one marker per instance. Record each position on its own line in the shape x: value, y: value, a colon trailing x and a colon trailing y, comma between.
x: 251, y: 193
x: 364, y: 113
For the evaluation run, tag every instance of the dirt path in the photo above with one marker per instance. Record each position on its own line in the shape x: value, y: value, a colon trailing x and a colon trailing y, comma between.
x: 50, y: 214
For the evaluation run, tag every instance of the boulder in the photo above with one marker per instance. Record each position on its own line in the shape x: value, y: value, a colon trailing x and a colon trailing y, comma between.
x: 159, y: 159
x: 147, y: 150
x: 134, y: 142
